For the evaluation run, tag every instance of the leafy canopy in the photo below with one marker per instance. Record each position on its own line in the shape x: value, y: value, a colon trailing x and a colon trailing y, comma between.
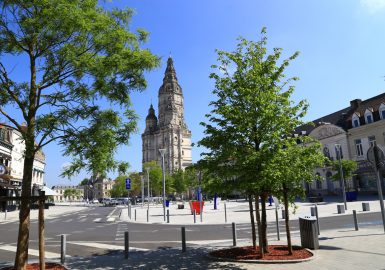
x: 251, y: 116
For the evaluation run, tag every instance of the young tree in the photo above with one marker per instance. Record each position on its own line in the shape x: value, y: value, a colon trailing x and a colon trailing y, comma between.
x: 251, y: 115
x: 71, y: 192
x: 80, y: 59
x: 348, y: 169
x: 290, y: 168
x: 155, y: 172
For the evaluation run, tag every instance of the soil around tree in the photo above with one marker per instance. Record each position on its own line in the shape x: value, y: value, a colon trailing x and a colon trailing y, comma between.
x: 276, y: 253
x: 36, y: 266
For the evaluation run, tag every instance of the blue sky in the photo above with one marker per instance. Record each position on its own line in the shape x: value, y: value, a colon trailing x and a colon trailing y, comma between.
x: 341, y: 45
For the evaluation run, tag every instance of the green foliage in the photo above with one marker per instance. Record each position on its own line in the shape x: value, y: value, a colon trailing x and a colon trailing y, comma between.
x: 178, y: 181
x: 251, y: 115
x: 71, y: 192
x: 155, y: 173
x: 83, y: 62
x: 84, y: 182
x: 293, y: 165
x: 119, y: 187
x: 348, y: 168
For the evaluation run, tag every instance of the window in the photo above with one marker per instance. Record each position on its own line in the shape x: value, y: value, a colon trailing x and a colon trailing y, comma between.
x: 359, y: 150
x: 326, y: 152
x: 381, y: 111
x: 319, y: 184
x: 368, y: 117
x: 372, y: 141
x: 355, y: 120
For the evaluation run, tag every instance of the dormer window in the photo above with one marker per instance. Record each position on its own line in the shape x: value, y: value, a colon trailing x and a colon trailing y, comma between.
x: 368, y: 117
x: 381, y: 111
x: 355, y: 120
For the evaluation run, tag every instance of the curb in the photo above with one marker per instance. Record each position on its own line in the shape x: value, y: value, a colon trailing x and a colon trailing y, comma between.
x: 265, y: 261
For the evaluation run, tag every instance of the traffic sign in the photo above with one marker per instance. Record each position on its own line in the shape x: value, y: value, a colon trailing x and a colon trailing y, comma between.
x: 128, y: 183
x: 376, y: 157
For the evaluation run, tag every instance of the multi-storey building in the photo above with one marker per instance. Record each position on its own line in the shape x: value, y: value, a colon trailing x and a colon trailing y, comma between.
x: 60, y: 191
x: 168, y: 131
x: 355, y: 129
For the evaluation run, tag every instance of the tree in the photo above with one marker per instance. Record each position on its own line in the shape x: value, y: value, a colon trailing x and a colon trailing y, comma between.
x: 119, y: 187
x: 251, y: 116
x: 155, y: 173
x: 179, y: 182
x: 290, y: 168
x: 74, y: 71
x: 71, y: 192
x: 348, y: 169
x: 84, y: 182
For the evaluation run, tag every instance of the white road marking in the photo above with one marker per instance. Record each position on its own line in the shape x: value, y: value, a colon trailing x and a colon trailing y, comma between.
x: 104, y: 246
x: 69, y: 220
x: 97, y: 219
x: 33, y: 252
x: 111, y: 219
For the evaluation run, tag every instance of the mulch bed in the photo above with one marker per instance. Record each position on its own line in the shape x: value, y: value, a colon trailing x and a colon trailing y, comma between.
x: 35, y: 266
x: 276, y: 252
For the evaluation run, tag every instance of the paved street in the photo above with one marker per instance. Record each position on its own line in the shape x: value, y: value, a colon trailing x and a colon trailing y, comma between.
x: 99, y: 230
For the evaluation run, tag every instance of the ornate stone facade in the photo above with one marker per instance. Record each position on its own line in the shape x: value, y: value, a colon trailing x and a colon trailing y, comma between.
x: 169, y: 131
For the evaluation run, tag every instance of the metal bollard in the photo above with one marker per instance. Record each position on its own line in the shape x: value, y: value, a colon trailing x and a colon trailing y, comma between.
x: 168, y: 216
x: 63, y: 248
x: 135, y: 214
x: 316, y: 215
x: 225, y: 214
x: 126, y: 245
x: 195, y: 216
x: 277, y: 224
x: 183, y: 239
x: 355, y: 220
x: 234, y: 234
x: 148, y: 216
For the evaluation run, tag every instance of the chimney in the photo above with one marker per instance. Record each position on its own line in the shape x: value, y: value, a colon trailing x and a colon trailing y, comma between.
x: 355, y: 103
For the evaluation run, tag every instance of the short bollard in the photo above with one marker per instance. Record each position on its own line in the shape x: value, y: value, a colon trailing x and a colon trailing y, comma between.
x: 355, y: 220
x: 135, y: 214
x: 225, y: 214
x: 365, y: 206
x: 283, y: 213
x: 63, y: 248
x: 195, y: 216
x: 277, y: 224
x: 148, y: 216
x: 340, y: 209
x: 168, y: 216
x: 312, y: 211
x: 183, y: 239
x: 316, y: 215
x: 126, y: 245
x: 234, y: 227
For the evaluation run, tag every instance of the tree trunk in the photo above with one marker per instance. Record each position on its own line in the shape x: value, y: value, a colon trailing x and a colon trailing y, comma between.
x: 21, y: 256
x: 264, y: 222
x: 258, y: 217
x: 288, y: 235
x: 253, y: 234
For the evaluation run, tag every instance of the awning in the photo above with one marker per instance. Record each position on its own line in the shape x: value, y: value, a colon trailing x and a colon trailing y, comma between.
x: 48, y: 191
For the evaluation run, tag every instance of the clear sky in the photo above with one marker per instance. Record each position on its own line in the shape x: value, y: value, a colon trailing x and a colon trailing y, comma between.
x: 341, y: 45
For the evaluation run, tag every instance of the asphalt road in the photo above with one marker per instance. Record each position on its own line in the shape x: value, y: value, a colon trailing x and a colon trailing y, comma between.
x: 92, y: 232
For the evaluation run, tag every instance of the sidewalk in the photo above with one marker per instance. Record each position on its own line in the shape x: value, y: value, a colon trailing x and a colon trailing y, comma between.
x: 236, y: 211
x: 339, y: 248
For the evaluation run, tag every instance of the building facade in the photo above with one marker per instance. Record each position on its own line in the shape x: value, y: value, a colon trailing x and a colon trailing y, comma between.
x: 169, y: 130
x: 355, y: 129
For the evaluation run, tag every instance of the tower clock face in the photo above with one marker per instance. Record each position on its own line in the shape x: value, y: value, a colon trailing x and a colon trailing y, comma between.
x: 2, y: 169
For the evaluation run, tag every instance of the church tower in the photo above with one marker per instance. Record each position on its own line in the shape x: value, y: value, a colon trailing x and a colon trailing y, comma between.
x: 170, y: 130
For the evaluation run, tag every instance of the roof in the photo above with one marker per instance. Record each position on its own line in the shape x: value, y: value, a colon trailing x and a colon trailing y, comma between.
x: 343, y: 117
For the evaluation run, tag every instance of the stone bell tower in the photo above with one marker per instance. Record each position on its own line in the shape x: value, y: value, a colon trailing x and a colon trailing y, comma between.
x: 169, y: 131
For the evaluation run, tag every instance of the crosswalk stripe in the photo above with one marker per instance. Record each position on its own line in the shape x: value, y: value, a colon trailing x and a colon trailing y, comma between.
x: 97, y: 219
x: 111, y: 219
x: 33, y: 252
x: 104, y: 246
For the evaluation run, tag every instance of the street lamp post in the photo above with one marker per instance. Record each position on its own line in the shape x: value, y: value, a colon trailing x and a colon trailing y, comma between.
x: 148, y: 189
x: 142, y: 184
x: 162, y: 152
x: 338, y: 152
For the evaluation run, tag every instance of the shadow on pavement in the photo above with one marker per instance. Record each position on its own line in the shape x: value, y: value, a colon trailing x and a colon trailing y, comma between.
x: 158, y: 259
